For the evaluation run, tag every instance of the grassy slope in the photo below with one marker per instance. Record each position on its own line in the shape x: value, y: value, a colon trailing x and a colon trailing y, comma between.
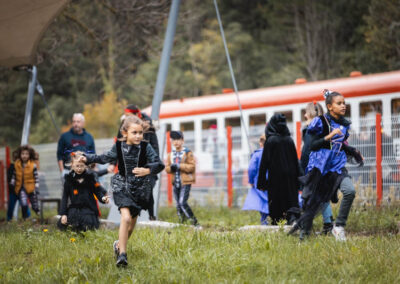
x: 216, y: 254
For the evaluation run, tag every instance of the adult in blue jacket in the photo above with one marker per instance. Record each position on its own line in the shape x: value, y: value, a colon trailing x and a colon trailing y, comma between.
x: 76, y: 139
x: 256, y: 199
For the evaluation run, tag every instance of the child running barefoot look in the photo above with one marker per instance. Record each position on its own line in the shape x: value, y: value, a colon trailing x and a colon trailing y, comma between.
x: 78, y: 205
x: 181, y: 165
x: 138, y: 163
x: 25, y: 179
x: 326, y: 171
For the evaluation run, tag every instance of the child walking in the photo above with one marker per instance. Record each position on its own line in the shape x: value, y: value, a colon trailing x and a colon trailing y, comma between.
x: 181, y: 165
x: 25, y: 179
x: 313, y: 110
x: 138, y: 163
x: 326, y: 171
x: 256, y: 199
x: 78, y: 204
x: 279, y: 159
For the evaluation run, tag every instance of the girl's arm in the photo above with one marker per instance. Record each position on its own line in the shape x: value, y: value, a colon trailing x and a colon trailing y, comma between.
x: 189, y: 165
x: 106, y: 157
x: 153, y: 161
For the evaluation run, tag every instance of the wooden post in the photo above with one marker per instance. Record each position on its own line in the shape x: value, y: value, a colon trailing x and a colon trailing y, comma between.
x: 378, y: 144
x: 229, y: 167
x: 169, y: 177
x: 298, y: 138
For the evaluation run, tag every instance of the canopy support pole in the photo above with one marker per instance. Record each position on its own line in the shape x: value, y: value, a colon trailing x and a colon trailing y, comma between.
x: 29, y: 105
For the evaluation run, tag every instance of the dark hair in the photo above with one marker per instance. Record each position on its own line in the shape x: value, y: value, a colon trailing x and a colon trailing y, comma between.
x: 329, y: 96
x: 32, y: 153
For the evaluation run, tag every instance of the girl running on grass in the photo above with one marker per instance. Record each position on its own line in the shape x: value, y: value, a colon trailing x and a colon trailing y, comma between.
x: 326, y: 171
x: 313, y: 110
x: 138, y: 163
x: 78, y: 204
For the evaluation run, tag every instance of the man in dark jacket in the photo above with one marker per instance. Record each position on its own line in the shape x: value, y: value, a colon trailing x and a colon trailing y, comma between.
x: 76, y: 139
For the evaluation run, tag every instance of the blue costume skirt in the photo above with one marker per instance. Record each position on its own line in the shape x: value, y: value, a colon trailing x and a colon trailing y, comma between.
x: 256, y: 200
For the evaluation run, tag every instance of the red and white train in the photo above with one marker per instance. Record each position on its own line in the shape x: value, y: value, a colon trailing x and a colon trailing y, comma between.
x: 198, y: 116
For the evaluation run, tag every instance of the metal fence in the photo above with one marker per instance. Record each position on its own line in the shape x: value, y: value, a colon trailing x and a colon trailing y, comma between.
x: 211, y: 165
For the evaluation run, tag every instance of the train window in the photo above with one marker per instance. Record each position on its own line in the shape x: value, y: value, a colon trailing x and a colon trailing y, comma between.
x: 396, y: 106
x: 396, y: 119
x: 209, y: 135
x: 187, y: 126
x: 234, y: 122
x: 188, y: 133
x: 207, y: 124
x: 258, y: 119
x: 168, y: 127
x: 257, y: 128
x: 348, y: 111
x: 368, y: 108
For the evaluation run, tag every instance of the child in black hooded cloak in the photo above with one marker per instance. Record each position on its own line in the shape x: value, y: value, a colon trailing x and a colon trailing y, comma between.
x: 279, y: 158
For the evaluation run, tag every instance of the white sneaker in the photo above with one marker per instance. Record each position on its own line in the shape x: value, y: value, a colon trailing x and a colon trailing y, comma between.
x: 338, y: 232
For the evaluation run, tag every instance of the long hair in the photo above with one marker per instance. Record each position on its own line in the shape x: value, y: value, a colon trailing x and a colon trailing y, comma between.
x: 314, y: 110
x: 32, y: 153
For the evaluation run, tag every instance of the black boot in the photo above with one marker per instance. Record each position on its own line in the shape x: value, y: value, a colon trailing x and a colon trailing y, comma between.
x: 122, y: 259
x: 194, y: 221
x: 327, y: 228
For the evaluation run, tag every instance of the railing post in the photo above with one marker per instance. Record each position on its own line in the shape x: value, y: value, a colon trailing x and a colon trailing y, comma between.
x: 298, y: 138
x: 229, y: 167
x: 378, y: 144
x: 169, y: 177
x: 8, y: 163
x: 2, y: 186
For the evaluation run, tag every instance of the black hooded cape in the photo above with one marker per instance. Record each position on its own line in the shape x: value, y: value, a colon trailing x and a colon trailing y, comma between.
x: 279, y: 158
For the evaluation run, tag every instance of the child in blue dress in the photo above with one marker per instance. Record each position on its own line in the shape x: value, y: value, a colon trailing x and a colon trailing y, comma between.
x: 326, y: 172
x: 256, y: 199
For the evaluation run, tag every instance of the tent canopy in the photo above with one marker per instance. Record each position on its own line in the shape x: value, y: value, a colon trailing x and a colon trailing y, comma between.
x: 22, y: 25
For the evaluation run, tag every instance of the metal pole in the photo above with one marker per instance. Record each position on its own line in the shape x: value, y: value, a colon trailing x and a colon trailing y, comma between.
x: 228, y: 58
x: 164, y: 63
x: 29, y: 104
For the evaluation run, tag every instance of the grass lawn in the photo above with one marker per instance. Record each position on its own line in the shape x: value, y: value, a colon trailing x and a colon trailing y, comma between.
x: 218, y: 254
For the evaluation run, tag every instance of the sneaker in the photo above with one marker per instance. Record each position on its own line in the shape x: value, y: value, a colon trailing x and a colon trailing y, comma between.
x: 294, y: 228
x: 327, y: 228
x: 338, y: 232
x: 264, y: 223
x: 194, y: 222
x: 116, y: 249
x: 152, y: 218
x: 122, y: 259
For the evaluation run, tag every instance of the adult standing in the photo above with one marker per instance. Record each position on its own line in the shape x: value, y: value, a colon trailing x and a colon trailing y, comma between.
x: 76, y: 139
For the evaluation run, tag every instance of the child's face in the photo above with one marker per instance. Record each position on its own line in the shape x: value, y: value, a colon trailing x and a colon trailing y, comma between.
x: 24, y: 155
x: 78, y: 167
x: 338, y: 106
x: 177, y: 143
x: 134, y: 134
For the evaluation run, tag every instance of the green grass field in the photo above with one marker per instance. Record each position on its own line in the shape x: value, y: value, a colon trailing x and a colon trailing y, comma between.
x: 217, y: 254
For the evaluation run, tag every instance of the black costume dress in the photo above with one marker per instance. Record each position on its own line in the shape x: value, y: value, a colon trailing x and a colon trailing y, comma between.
x: 279, y: 158
x: 130, y: 191
x: 79, y: 203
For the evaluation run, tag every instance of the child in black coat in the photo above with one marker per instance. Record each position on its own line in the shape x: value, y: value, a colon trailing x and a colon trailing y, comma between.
x: 79, y: 201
